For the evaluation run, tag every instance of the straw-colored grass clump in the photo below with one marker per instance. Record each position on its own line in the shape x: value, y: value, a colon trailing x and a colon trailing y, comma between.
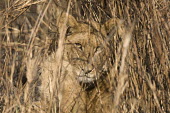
x: 95, y: 56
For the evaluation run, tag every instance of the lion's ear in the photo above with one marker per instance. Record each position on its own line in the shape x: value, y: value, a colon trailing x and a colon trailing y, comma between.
x: 72, y: 21
x: 61, y: 19
x: 108, y: 25
x: 113, y: 25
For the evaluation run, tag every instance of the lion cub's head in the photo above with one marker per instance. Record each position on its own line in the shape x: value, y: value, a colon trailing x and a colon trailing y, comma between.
x: 86, y: 48
x: 86, y: 55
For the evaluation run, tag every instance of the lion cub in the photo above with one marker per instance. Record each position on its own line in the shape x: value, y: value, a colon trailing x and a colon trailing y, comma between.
x: 85, y: 60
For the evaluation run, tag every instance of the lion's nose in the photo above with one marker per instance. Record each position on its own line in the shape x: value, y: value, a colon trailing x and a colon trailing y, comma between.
x: 88, y: 68
x: 88, y: 71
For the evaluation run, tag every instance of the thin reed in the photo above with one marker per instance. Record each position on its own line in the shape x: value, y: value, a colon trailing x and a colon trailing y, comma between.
x: 139, y: 72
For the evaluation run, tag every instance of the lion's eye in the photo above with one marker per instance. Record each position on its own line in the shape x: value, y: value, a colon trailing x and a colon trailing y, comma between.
x: 69, y: 31
x: 98, y: 49
x: 78, y: 45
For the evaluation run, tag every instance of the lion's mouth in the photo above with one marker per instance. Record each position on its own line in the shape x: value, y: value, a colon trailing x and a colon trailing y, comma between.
x: 86, y: 79
x: 89, y: 79
x: 87, y: 76
x: 90, y: 76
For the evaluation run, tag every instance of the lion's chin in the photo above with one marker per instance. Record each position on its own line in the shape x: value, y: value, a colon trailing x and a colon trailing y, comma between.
x: 88, y: 82
x: 86, y: 76
x: 86, y: 79
x: 89, y: 76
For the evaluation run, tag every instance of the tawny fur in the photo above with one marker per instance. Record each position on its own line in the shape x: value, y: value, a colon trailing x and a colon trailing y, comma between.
x: 84, y: 60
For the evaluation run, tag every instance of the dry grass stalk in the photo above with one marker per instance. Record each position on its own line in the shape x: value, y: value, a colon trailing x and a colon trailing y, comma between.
x: 138, y: 76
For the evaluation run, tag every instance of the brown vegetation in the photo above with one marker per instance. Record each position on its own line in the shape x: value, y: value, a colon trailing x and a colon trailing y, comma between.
x: 139, y: 74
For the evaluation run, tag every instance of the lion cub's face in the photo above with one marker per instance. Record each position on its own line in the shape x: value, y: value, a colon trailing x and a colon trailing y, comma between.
x: 84, y: 49
x: 86, y: 54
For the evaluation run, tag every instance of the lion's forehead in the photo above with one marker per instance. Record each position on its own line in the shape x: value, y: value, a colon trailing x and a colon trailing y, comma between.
x: 84, y: 39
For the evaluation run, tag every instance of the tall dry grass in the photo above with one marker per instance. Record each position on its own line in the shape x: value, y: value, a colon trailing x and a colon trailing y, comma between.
x: 139, y: 77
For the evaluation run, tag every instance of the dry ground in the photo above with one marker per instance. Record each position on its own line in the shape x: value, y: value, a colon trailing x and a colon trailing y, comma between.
x: 140, y: 75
